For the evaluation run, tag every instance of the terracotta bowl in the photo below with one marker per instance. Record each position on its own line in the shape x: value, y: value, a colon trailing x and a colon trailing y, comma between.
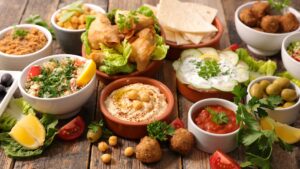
x: 175, y: 50
x: 133, y: 130
x: 196, y: 95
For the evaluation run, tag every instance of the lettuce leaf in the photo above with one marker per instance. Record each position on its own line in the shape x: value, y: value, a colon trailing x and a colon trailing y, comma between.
x: 291, y: 77
x: 15, y: 150
x: 161, y: 49
x: 146, y: 11
x: 84, y: 35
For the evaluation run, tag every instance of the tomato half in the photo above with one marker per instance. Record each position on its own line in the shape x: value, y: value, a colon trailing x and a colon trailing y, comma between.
x: 177, y: 123
x: 219, y: 160
x: 233, y: 47
x: 34, y: 71
x: 72, y: 130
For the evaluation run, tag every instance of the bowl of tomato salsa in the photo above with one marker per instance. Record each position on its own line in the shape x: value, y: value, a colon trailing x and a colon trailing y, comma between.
x: 213, y: 122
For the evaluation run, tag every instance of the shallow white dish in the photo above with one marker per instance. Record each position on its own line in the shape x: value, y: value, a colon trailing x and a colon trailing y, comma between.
x: 10, y: 91
x: 210, y: 142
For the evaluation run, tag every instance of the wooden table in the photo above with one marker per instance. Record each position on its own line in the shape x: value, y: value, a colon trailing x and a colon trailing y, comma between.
x: 81, y: 154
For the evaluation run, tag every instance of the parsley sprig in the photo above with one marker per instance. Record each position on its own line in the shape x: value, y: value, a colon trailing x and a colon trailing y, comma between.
x: 19, y: 32
x: 208, y: 68
x: 279, y: 4
x: 95, y: 126
x: 219, y: 118
x: 160, y: 130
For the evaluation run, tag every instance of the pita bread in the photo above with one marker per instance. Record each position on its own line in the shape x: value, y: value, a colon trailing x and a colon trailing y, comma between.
x: 180, y: 40
x: 170, y: 35
x: 195, y: 38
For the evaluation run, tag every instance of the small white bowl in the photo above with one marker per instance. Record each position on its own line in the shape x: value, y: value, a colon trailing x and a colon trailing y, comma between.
x: 62, y: 107
x: 18, y: 62
x: 290, y: 64
x: 258, y: 42
x: 284, y: 115
x: 210, y: 142
x: 69, y: 39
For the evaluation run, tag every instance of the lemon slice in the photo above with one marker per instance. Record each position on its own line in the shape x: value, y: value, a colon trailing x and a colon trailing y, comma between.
x: 287, y: 133
x: 210, y: 56
x: 29, y: 132
x: 267, y: 123
x: 87, y: 73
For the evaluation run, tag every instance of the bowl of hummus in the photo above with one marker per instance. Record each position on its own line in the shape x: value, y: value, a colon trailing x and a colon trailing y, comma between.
x: 130, y: 104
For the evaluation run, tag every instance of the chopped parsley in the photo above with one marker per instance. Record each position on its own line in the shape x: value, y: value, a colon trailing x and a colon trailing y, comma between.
x: 279, y: 4
x: 219, y: 118
x: 160, y: 130
x: 19, y: 32
x: 208, y: 68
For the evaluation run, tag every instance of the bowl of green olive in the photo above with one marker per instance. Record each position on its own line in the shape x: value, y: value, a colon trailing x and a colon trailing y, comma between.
x: 288, y: 110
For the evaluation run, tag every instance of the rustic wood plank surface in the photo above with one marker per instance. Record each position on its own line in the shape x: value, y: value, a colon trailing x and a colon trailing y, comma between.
x: 80, y: 153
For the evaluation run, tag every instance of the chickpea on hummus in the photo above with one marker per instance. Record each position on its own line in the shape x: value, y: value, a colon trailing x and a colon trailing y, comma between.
x: 136, y: 103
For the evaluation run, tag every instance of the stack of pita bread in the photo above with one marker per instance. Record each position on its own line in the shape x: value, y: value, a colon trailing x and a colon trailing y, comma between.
x: 185, y: 22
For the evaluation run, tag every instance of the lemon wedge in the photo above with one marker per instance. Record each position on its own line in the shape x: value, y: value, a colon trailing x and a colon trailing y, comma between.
x: 29, y: 132
x: 267, y: 123
x: 87, y: 73
x: 210, y: 56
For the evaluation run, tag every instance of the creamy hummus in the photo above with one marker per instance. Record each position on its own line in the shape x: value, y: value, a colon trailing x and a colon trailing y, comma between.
x: 136, y: 103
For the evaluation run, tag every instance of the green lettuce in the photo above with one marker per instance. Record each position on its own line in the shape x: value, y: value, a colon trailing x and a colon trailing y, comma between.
x: 161, y: 49
x: 84, y: 35
x: 116, y: 59
x: 146, y: 11
x: 289, y: 76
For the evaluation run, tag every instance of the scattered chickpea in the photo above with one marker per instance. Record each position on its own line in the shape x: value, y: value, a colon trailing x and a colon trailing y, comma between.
x: 106, y: 158
x: 102, y: 146
x: 129, y: 151
x: 112, y: 140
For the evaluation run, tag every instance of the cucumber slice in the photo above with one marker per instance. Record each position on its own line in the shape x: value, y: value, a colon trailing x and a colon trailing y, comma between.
x: 242, y: 65
x: 211, y: 51
x: 229, y: 58
x: 189, y: 53
x: 198, y: 82
x: 241, y: 72
x: 223, y: 83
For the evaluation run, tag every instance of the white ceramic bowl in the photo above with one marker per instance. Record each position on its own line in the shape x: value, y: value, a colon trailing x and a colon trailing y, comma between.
x: 62, y: 107
x: 258, y: 42
x: 210, y: 142
x: 284, y: 115
x: 18, y: 62
x: 290, y: 64
x: 68, y: 39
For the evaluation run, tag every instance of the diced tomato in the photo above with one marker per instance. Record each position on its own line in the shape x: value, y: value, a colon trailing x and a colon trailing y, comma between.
x: 219, y: 160
x: 72, y: 130
x: 233, y: 47
x: 34, y: 71
x: 79, y: 62
x: 177, y: 123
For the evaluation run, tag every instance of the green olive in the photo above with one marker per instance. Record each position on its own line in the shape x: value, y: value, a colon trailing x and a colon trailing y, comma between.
x: 283, y: 82
x: 273, y: 89
x: 264, y: 84
x: 256, y: 91
x: 94, y: 136
x: 288, y: 95
x: 288, y: 104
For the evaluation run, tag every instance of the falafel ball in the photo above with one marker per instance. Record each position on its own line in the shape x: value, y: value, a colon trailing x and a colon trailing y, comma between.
x: 260, y: 9
x: 289, y: 22
x: 248, y: 18
x: 148, y: 150
x: 182, y: 141
x: 270, y: 24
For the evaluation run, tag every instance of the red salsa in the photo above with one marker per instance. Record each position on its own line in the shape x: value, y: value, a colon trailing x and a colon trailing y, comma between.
x: 216, y: 119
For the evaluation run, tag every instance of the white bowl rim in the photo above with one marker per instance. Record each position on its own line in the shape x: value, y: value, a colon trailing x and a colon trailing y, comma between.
x: 45, y: 59
x: 236, y: 15
x: 273, y: 78
x: 42, y: 29
x: 283, y: 48
x: 222, y: 101
x: 93, y: 6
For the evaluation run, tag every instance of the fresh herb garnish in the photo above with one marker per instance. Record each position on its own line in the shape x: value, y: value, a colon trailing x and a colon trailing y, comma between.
x: 257, y: 142
x: 94, y: 126
x: 111, y: 16
x: 125, y: 21
x: 208, y: 68
x: 37, y: 20
x: 219, y: 118
x: 279, y: 4
x: 160, y: 130
x: 19, y: 32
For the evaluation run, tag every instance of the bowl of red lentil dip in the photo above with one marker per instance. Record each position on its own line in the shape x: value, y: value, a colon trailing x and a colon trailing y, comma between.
x: 22, y: 44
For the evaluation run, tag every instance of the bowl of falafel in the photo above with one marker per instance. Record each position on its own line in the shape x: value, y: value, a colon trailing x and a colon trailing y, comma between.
x: 262, y: 26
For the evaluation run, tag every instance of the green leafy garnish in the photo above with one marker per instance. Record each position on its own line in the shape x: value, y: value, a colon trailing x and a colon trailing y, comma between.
x: 161, y: 49
x: 19, y: 32
x: 219, y: 118
x: 37, y: 20
x: 125, y: 21
x: 111, y: 16
x: 279, y: 4
x: 95, y: 126
x: 146, y: 11
x: 208, y: 68
x: 160, y: 130
x: 289, y: 76
x: 84, y: 36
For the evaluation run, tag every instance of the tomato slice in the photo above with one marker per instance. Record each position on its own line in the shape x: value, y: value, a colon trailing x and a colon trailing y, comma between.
x: 72, y: 130
x: 234, y: 47
x: 219, y: 160
x: 177, y: 123
x: 34, y: 71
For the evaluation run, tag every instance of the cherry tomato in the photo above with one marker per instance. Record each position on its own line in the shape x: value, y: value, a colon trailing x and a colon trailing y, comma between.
x: 34, y: 71
x: 233, y: 47
x: 219, y: 160
x: 177, y: 123
x: 72, y: 130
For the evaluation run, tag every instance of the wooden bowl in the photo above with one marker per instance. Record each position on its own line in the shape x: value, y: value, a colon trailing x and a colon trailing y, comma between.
x: 127, y: 129
x: 196, y: 95
x: 175, y: 50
